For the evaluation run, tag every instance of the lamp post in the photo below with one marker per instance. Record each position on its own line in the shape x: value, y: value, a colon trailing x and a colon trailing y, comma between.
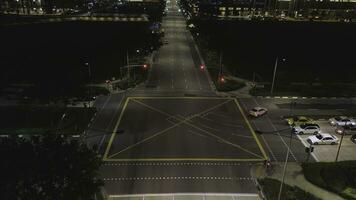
x: 285, y: 165
x: 89, y: 76
x: 339, y: 147
x: 274, y: 72
x: 144, y: 66
x: 287, y: 156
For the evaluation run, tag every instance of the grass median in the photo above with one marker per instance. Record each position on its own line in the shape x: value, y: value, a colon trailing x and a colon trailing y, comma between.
x: 270, y: 188
x: 338, y: 177
x: 38, y: 120
x: 228, y: 84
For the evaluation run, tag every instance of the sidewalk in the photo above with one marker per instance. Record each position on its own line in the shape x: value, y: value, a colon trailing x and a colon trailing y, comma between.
x: 294, y: 177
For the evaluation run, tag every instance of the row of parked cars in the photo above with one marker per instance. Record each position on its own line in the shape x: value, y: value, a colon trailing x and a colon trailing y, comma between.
x: 305, y: 125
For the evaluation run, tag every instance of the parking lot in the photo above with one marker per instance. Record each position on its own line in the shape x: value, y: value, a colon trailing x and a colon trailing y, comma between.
x: 276, y: 142
x: 328, y: 152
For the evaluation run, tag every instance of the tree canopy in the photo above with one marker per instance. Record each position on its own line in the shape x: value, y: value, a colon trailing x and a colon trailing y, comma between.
x: 48, y: 167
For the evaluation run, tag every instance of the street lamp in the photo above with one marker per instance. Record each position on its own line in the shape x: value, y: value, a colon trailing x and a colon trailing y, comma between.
x: 287, y: 156
x: 89, y: 75
x: 144, y: 66
x: 339, y: 147
x: 274, y: 72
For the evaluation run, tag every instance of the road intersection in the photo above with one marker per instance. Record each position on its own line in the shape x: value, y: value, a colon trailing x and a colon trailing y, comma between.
x: 179, y: 137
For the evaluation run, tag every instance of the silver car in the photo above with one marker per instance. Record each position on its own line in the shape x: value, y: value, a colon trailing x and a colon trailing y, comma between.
x: 322, y: 138
x: 341, y: 121
x: 307, y: 129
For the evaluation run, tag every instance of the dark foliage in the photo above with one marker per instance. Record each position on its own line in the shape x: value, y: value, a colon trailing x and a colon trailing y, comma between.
x: 50, y: 168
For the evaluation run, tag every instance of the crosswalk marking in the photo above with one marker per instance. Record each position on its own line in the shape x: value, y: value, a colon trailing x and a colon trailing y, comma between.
x: 180, y: 178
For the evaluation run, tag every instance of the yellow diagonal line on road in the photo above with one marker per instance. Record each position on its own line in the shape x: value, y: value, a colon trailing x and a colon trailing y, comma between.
x: 186, y: 121
x: 222, y: 139
x: 163, y: 131
x: 148, y: 138
x: 172, y: 116
x: 115, y: 129
x: 251, y: 129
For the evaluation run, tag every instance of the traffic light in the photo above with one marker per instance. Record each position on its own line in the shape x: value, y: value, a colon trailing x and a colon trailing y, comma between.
x: 221, y: 79
x: 145, y: 66
x: 202, y: 67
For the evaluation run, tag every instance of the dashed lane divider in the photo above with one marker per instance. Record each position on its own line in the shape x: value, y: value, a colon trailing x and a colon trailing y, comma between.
x: 180, y: 178
x: 176, y: 164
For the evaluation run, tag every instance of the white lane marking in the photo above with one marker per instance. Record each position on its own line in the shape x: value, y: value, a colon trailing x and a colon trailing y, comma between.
x: 180, y: 178
x: 185, y: 194
x: 174, y: 164
x: 263, y: 138
x: 275, y: 129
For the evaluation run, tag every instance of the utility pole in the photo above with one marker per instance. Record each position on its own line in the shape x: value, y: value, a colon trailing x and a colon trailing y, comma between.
x: 89, y: 76
x: 274, y: 75
x: 221, y: 68
x: 287, y: 156
x: 338, y: 149
x: 128, y: 64
x: 285, y: 166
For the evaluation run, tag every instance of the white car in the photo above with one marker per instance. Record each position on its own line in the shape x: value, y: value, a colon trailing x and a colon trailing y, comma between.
x: 341, y: 121
x: 307, y: 129
x: 322, y: 138
x: 257, y: 111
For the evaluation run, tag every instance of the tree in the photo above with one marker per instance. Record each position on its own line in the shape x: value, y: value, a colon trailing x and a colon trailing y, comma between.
x: 49, y: 167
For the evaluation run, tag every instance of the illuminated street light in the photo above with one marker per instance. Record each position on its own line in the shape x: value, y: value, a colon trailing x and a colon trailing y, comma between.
x: 274, y: 72
x: 221, y: 79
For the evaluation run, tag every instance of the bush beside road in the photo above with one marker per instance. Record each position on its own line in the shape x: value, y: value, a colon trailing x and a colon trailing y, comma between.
x: 307, y: 90
x: 251, y: 54
x: 270, y: 188
x: 339, y: 177
x: 38, y: 120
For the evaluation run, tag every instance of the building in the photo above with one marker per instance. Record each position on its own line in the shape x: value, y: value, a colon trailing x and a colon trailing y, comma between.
x: 246, y: 9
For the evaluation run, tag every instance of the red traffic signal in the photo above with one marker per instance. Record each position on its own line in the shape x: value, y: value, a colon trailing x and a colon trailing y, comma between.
x: 202, y: 67
x: 221, y: 79
x: 145, y: 66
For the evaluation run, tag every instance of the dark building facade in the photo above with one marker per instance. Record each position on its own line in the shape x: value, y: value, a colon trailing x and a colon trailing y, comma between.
x: 230, y: 9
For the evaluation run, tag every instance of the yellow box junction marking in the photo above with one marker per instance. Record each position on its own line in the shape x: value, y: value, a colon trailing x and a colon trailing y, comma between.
x: 182, y: 121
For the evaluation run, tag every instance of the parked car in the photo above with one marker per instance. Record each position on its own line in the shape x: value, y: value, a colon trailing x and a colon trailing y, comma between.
x: 322, y: 138
x: 257, y: 111
x: 299, y: 120
x: 307, y: 129
x: 341, y: 121
x: 353, y: 138
x: 347, y: 130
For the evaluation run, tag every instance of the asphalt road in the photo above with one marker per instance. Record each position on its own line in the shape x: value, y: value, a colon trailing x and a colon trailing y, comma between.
x: 176, y: 70
x: 180, y: 137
